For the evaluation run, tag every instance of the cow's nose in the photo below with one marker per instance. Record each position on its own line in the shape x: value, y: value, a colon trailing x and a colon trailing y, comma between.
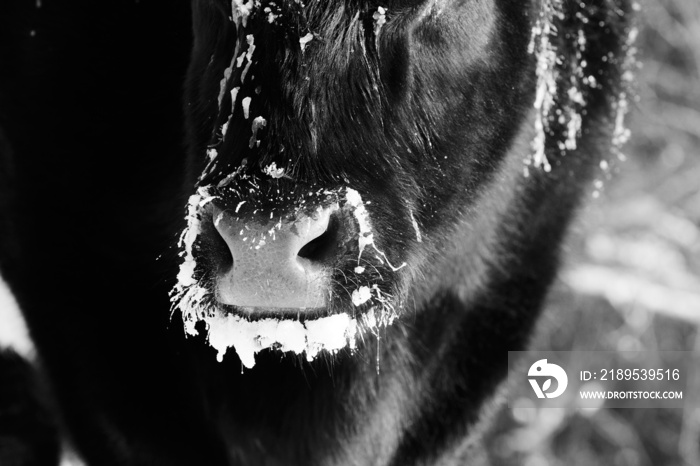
x: 277, y: 264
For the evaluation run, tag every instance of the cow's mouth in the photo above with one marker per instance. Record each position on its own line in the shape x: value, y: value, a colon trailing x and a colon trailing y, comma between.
x: 259, y: 313
x: 251, y: 333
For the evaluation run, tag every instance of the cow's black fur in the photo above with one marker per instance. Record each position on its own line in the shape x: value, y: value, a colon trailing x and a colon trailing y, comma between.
x: 435, y: 118
x: 28, y: 431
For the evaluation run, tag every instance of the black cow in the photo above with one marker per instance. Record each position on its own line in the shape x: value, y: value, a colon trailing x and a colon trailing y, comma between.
x: 375, y: 194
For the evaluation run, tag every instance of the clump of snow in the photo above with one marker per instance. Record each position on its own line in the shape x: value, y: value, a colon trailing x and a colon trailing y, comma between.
x: 546, y: 72
x: 186, y: 276
x: 366, y: 237
x: 361, y: 295
x: 245, y: 103
x: 305, y: 40
x: 223, y: 84
x: 331, y: 333
x: 273, y: 171
x: 258, y: 123
x: 234, y: 95
x: 569, y: 113
x: 379, y: 18
x: 187, y: 293
x: 250, y: 39
x: 241, y: 11
x: 239, y: 60
x: 271, y: 16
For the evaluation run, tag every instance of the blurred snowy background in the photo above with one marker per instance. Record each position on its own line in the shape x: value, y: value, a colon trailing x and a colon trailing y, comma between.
x: 632, y: 274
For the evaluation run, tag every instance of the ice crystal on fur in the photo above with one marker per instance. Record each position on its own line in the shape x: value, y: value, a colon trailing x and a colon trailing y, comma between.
x: 188, y: 294
x: 379, y: 18
x: 273, y: 171
x: 546, y: 53
x: 620, y: 132
x: 366, y: 237
x: 305, y: 40
x: 241, y: 11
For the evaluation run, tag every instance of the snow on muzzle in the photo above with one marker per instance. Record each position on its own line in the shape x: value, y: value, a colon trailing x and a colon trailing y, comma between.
x: 276, y: 264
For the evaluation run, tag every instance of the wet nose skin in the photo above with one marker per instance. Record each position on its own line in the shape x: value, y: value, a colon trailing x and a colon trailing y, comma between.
x: 267, y: 271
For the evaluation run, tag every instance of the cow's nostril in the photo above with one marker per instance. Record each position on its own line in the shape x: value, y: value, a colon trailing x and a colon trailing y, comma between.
x: 323, y: 248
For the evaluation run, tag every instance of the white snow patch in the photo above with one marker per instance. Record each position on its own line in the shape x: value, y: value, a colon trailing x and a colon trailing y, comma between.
x: 271, y: 17
x: 234, y: 95
x: 186, y: 276
x: 258, y: 123
x: 187, y: 294
x: 546, y: 78
x: 366, y: 237
x: 361, y: 295
x: 241, y: 11
x: 239, y: 60
x: 224, y: 81
x: 379, y: 18
x: 245, y: 103
x: 419, y: 237
x: 273, y: 171
x: 331, y: 333
x: 249, y: 56
x: 305, y: 40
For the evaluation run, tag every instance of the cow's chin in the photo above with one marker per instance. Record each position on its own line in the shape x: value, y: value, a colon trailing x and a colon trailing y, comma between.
x: 305, y: 332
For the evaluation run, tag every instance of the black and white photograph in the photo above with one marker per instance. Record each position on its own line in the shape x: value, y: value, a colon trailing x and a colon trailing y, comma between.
x: 349, y: 232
